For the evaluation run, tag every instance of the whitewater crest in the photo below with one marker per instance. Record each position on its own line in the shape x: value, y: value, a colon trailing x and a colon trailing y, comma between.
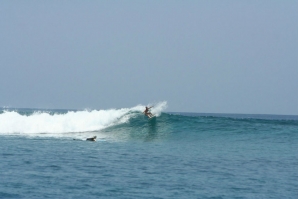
x: 43, y: 123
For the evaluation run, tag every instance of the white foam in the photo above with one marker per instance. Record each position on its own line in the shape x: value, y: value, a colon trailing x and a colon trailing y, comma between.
x: 45, y: 124
x: 158, y: 108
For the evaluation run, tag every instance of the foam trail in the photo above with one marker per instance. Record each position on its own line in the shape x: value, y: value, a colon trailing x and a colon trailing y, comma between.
x: 45, y: 124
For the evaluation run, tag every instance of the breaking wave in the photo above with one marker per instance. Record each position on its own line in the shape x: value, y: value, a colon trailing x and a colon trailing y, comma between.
x: 46, y: 123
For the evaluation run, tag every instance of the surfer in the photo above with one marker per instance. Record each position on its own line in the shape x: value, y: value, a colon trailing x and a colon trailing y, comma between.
x: 147, y: 112
x: 91, y: 139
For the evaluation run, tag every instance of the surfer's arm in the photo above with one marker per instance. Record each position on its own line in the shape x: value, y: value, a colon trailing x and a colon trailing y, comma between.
x: 147, y: 109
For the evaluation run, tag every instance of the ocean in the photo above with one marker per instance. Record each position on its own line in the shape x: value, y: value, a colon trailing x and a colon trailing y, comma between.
x: 44, y: 154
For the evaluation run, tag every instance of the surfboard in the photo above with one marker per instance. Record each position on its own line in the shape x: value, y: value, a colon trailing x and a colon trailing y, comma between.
x: 150, y: 118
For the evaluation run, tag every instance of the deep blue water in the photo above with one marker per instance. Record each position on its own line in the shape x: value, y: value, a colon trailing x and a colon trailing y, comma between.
x: 176, y: 155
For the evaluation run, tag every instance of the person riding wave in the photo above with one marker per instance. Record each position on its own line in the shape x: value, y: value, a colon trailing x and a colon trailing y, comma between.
x: 147, y: 111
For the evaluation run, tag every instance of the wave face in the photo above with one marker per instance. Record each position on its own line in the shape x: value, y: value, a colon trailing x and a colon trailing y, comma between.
x: 131, y: 124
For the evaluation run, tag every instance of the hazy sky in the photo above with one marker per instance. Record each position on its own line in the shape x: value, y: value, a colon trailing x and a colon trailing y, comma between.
x: 200, y: 56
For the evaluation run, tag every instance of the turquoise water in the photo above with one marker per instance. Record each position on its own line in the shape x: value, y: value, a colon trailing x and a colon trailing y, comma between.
x: 176, y: 155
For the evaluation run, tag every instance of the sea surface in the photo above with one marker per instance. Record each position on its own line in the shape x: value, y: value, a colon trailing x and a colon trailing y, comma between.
x: 43, y: 154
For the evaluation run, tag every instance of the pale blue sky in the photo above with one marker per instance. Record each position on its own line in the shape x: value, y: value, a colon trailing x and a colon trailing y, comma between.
x: 200, y: 56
